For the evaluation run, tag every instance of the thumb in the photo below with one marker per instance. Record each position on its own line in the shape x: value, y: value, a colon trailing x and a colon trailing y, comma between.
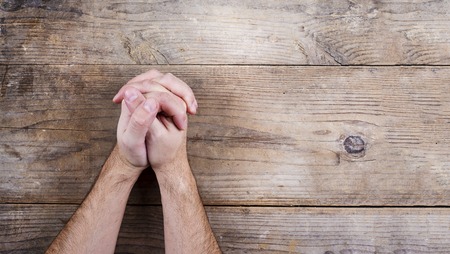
x: 140, y: 122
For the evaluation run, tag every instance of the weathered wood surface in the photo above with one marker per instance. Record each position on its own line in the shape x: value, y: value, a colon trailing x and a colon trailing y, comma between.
x: 31, y: 228
x: 225, y: 32
x: 263, y: 135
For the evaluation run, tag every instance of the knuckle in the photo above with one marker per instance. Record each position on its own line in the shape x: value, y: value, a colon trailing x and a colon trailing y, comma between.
x: 138, y: 122
x: 157, y: 134
x: 175, y: 102
x: 183, y: 117
x: 182, y: 105
x: 152, y: 102
x: 189, y: 97
x: 169, y: 76
x: 130, y: 87
x: 164, y: 97
x: 154, y: 72
x: 145, y: 82
x: 126, y: 87
x: 148, y: 82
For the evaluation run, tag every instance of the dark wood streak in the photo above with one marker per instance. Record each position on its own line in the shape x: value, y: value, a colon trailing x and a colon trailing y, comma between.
x: 3, y: 84
x: 56, y: 6
x: 11, y: 5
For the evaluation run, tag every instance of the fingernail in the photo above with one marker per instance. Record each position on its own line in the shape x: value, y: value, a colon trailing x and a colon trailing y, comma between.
x: 130, y: 96
x: 148, y: 106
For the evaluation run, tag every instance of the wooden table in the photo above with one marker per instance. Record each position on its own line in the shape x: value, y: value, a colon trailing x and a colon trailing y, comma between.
x: 323, y: 126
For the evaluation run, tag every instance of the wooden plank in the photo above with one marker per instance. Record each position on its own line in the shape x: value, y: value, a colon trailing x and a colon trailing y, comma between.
x: 30, y: 228
x: 226, y: 32
x: 329, y: 231
x: 58, y: 166
x: 263, y: 135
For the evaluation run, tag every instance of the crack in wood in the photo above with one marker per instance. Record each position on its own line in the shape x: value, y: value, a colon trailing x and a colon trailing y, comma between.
x: 2, y: 28
x: 3, y: 86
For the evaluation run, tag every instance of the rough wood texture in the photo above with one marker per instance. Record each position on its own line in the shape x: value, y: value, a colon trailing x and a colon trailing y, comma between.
x: 331, y: 231
x: 30, y: 228
x: 263, y: 136
x: 343, y: 32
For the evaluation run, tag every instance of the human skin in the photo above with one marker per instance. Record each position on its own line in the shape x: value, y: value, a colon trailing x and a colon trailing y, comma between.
x: 186, y: 226
x: 151, y: 132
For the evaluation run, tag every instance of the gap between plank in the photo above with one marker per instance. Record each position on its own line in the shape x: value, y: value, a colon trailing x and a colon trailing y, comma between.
x: 243, y: 65
x: 258, y: 206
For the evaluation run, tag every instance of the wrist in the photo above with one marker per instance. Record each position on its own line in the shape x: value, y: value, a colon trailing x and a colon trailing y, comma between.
x: 170, y: 167
x: 176, y: 177
x: 119, y: 168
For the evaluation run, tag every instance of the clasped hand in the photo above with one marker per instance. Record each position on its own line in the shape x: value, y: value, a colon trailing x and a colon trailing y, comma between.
x: 153, y: 120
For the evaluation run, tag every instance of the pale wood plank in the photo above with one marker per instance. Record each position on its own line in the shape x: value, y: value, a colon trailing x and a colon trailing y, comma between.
x: 263, y: 136
x: 329, y: 231
x: 30, y: 228
x: 226, y: 32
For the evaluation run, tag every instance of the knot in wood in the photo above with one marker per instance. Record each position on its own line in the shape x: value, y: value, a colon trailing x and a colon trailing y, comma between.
x: 354, y: 144
x: 10, y: 5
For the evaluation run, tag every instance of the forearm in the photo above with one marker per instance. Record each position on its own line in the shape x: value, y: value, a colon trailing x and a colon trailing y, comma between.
x: 186, y: 226
x: 95, y: 225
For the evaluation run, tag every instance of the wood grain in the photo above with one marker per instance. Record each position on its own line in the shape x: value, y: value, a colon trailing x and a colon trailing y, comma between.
x: 3, y: 72
x: 226, y: 32
x: 263, y: 135
x: 31, y: 228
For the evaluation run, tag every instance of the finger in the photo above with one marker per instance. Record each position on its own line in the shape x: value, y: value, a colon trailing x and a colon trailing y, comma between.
x: 179, y: 88
x: 133, y: 98
x: 146, y: 87
x: 168, y: 81
x: 156, y: 130
x: 167, y: 122
x: 140, y: 123
x: 124, y: 118
x: 171, y: 106
x: 149, y: 75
